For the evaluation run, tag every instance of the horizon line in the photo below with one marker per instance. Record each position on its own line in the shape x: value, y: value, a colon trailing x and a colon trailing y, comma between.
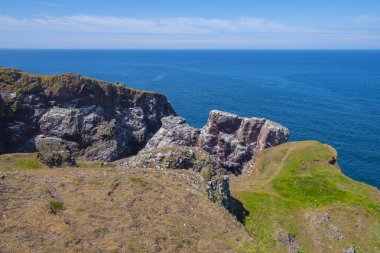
x: 203, y: 49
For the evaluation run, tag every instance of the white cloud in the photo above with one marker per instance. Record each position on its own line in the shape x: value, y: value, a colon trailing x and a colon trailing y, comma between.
x: 180, y: 25
x: 367, y: 19
x: 49, y: 4
x: 86, y: 31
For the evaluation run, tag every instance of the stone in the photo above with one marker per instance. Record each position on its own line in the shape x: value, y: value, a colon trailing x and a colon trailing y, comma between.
x: 332, y: 160
x: 174, y: 132
x: 234, y: 140
x: 187, y: 158
x: 53, y: 152
x: 231, y: 140
x: 289, y: 240
x: 349, y: 250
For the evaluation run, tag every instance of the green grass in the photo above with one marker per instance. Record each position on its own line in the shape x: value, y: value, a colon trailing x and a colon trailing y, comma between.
x: 56, y: 206
x: 307, y: 178
x: 32, y: 164
x: 292, y: 183
x: 20, y: 161
x: 207, y: 173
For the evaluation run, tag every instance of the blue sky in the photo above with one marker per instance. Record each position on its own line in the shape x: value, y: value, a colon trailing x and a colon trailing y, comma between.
x: 193, y: 24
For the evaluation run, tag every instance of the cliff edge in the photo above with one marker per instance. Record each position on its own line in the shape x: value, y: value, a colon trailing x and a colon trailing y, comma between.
x: 94, y: 120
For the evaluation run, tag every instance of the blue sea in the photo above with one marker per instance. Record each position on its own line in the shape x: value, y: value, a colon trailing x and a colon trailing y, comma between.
x: 329, y: 96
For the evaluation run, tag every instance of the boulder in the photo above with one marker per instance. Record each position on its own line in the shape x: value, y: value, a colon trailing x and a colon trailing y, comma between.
x: 53, y: 152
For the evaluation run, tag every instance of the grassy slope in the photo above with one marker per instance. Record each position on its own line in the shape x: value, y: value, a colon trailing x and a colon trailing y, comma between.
x: 293, y: 185
x: 93, y: 209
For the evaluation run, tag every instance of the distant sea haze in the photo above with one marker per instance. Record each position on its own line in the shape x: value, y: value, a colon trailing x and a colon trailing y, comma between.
x: 329, y: 96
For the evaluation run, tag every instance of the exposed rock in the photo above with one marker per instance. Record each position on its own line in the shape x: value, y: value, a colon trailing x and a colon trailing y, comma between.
x: 189, y: 158
x: 174, y: 132
x: 321, y: 219
x: 97, y: 120
x: 231, y: 140
x: 234, y: 140
x: 324, y: 221
x: 288, y: 239
x: 3, y: 117
x: 332, y: 161
x: 349, y: 250
x: 53, y: 152
x: 335, y: 232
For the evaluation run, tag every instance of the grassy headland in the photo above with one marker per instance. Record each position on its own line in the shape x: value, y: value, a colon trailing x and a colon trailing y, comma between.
x: 294, y: 189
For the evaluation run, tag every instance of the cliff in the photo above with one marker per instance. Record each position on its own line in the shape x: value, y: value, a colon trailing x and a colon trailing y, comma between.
x: 94, y: 120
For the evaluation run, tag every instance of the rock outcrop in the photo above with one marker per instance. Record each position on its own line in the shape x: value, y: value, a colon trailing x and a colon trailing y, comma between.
x: 222, y: 147
x: 96, y: 120
x: 188, y: 158
x: 231, y: 140
x: 53, y: 152
x: 289, y: 240
x: 174, y: 132
x: 234, y: 140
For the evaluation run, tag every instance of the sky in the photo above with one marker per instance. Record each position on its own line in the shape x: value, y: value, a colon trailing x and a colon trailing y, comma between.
x: 190, y: 24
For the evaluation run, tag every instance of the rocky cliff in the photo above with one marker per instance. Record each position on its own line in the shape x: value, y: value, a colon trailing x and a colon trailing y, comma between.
x: 94, y: 120
x: 229, y: 139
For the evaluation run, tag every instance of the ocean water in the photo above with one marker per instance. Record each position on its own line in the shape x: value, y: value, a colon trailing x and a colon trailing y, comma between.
x: 329, y: 96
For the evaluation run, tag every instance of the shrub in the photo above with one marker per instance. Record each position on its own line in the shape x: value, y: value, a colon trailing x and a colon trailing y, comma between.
x: 56, y: 206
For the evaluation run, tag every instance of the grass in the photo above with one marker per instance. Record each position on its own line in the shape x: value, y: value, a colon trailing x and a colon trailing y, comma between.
x: 20, y: 161
x: 292, y: 184
x: 71, y: 210
x: 56, y: 206
x: 138, y: 181
x: 32, y: 164
x: 101, y: 231
x: 207, y: 173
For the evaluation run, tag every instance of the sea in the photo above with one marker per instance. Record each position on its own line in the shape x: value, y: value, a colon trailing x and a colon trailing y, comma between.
x: 332, y: 96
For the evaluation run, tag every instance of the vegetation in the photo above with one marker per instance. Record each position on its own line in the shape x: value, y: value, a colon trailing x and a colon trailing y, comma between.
x: 56, y: 206
x: 110, y: 210
x: 24, y: 161
x: 138, y: 181
x: 293, y: 186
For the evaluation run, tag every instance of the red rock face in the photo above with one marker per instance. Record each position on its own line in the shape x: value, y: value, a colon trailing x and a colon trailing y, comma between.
x: 234, y: 140
x: 231, y: 140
